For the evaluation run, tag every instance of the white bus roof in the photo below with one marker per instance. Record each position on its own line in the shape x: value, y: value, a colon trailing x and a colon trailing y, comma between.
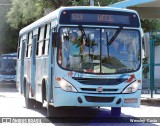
x: 55, y: 13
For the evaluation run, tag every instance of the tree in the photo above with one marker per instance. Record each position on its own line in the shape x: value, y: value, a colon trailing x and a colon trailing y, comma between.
x: 150, y: 24
x: 8, y: 36
x: 24, y: 12
x: 96, y: 2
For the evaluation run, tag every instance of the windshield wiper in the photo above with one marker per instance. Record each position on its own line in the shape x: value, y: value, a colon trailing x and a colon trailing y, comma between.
x: 82, y: 30
x: 115, y: 35
x: 84, y: 36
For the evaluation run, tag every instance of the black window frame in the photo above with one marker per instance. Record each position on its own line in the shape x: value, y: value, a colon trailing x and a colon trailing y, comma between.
x: 100, y: 54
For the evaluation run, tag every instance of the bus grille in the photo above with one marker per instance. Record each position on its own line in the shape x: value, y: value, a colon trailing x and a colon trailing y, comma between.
x: 99, y: 81
x: 99, y: 99
x: 94, y: 89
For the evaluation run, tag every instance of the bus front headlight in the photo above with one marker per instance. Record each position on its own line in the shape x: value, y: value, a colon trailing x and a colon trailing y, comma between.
x: 65, y: 85
x: 132, y: 87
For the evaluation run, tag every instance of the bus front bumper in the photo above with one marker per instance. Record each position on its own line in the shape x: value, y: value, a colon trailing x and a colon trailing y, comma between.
x: 63, y: 98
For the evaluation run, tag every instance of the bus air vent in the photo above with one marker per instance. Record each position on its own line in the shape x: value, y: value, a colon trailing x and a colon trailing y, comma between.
x: 94, y: 89
x: 99, y: 99
x: 99, y: 81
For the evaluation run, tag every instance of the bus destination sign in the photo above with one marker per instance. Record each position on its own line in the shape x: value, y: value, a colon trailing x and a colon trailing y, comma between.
x: 103, y: 18
x: 99, y: 17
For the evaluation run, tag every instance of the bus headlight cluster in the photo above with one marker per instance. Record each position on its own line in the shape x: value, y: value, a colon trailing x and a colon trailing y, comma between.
x: 132, y: 87
x: 65, y: 85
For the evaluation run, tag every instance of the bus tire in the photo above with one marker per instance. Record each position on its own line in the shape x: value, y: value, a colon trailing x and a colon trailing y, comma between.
x: 29, y: 103
x: 53, y: 111
x: 38, y: 105
x: 50, y: 110
x: 116, y: 111
x: 43, y: 91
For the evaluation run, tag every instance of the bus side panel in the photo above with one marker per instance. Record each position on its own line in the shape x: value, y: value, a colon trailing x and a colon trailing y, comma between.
x: 41, y: 73
x: 18, y: 85
x: 21, y: 71
x: 27, y: 74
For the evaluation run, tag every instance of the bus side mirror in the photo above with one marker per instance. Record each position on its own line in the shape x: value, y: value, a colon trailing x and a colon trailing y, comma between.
x: 146, y: 42
x: 55, y: 39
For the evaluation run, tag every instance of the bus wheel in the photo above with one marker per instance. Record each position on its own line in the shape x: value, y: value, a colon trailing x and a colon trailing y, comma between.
x: 49, y: 110
x: 53, y: 111
x: 116, y: 111
x: 38, y: 105
x: 29, y: 103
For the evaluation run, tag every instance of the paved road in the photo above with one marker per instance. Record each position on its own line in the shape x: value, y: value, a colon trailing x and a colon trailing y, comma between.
x: 12, y: 105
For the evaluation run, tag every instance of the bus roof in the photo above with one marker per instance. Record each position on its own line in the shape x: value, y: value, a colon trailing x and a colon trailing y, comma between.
x: 55, y: 14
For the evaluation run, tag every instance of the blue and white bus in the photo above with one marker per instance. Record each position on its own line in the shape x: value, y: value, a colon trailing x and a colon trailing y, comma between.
x: 8, y: 68
x: 82, y: 57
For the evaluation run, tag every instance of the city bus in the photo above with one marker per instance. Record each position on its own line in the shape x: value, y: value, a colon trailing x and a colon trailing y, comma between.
x: 81, y: 57
x: 8, y: 68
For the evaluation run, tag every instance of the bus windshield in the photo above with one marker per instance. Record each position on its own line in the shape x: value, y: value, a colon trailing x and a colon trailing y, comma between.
x: 8, y: 65
x: 99, y: 50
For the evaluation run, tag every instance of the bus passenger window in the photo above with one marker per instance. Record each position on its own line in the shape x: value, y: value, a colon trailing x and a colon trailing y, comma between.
x: 37, y: 48
x: 41, y: 40
x: 37, y: 45
x: 46, y: 41
x: 19, y: 47
x: 29, y: 45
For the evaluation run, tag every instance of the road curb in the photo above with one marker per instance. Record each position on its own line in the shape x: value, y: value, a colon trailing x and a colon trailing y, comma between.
x: 150, y: 102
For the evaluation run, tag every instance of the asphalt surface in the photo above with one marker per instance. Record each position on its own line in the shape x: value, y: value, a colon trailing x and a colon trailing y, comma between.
x: 13, y: 105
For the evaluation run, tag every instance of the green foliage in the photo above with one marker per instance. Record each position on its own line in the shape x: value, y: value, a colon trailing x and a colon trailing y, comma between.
x: 24, y: 12
x: 145, y: 68
x: 8, y: 36
x: 8, y: 40
x: 96, y: 2
x: 58, y: 3
x: 105, y: 2
x: 149, y: 25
